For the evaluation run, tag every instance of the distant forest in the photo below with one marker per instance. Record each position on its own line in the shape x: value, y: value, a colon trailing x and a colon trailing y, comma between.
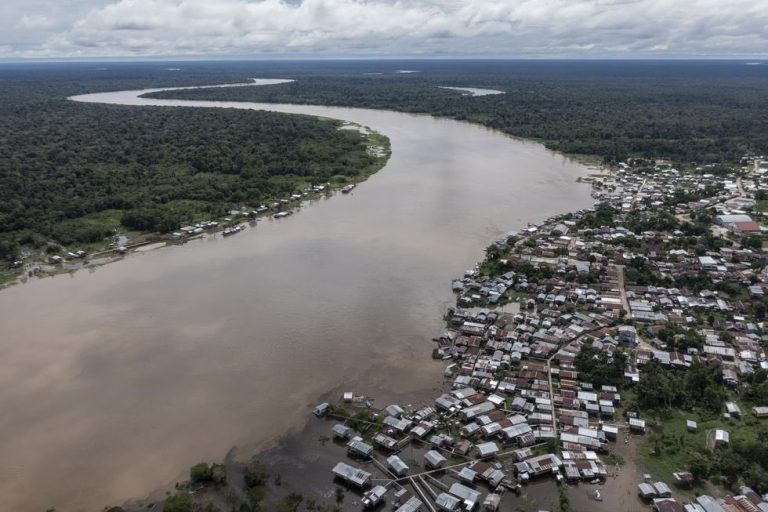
x: 74, y: 172
x: 703, y: 111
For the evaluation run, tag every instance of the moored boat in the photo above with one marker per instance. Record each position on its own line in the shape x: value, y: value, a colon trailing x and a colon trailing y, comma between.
x: 232, y: 230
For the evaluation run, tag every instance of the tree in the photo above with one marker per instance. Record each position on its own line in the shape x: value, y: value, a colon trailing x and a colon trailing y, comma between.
x: 181, y: 502
x: 290, y: 503
x: 565, y: 504
x: 699, y: 465
x: 731, y: 465
x: 657, y: 388
x: 255, y: 474
x: 201, y: 473
x: 339, y: 495
x: 752, y: 241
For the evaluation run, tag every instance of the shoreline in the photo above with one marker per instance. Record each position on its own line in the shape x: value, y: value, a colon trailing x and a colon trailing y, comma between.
x: 378, y: 146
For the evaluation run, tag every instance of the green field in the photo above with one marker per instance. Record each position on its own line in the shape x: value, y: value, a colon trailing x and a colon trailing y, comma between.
x: 668, y: 445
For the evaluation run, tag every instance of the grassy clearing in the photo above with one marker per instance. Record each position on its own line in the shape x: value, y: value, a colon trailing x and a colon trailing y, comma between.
x: 106, y: 219
x: 378, y: 139
x: 7, y: 277
x: 613, y: 459
x: 666, y: 449
x: 762, y: 205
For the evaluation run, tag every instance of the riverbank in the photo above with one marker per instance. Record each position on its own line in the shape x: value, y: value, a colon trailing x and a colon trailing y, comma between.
x: 67, y: 260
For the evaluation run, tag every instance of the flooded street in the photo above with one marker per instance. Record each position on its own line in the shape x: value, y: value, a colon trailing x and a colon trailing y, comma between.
x: 115, y: 380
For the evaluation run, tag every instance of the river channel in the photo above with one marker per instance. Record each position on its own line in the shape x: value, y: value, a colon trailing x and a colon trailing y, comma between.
x: 114, y: 381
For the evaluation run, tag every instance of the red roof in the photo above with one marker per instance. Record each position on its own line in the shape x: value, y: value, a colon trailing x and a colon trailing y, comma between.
x: 746, y: 227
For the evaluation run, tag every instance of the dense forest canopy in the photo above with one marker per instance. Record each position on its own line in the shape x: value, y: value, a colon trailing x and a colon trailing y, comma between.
x: 690, y: 111
x: 69, y: 171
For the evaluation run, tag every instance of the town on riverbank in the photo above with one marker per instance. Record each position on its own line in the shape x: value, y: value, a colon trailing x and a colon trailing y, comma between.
x: 612, y: 358
x: 617, y: 351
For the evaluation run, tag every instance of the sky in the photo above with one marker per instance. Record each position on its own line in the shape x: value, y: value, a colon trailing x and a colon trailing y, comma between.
x: 383, y: 28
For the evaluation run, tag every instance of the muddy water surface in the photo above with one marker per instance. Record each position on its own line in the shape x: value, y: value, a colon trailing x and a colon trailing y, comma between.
x: 114, y: 381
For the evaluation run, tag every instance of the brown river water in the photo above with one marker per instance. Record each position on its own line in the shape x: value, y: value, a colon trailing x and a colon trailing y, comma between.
x: 114, y: 381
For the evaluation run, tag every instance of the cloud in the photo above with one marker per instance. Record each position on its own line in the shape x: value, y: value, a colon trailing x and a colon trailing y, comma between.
x: 35, y: 21
x: 500, y: 28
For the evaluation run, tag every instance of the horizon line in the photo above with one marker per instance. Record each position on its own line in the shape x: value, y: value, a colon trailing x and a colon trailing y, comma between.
x: 201, y: 58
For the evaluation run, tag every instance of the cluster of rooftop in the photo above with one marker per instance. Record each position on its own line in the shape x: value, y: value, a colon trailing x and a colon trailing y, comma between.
x: 665, y: 278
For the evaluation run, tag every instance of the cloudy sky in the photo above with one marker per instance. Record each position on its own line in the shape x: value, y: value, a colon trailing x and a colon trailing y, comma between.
x: 383, y: 28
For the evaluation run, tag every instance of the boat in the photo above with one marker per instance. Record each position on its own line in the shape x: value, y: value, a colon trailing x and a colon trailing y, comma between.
x: 347, y: 189
x: 232, y: 230
x: 597, y: 495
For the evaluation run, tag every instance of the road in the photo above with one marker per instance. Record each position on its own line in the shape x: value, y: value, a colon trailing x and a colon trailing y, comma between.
x: 622, y: 290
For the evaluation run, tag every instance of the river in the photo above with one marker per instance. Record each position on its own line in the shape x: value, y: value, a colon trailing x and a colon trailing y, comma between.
x: 115, y: 380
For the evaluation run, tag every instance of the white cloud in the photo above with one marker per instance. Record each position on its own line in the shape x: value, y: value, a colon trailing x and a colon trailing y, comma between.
x: 35, y: 21
x: 504, y: 28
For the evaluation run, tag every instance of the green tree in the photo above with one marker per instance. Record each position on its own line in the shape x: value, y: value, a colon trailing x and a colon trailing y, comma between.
x: 699, y: 465
x: 201, y: 473
x: 181, y: 502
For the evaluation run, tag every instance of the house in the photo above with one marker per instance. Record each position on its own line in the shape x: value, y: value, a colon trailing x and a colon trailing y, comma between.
x: 467, y: 475
x: 667, y: 505
x: 760, y: 412
x: 728, y: 220
x: 385, y: 441
x: 469, y: 497
x: 322, y: 409
x: 478, y: 410
x: 447, y: 503
x: 691, y: 425
x: 637, y: 425
x: 628, y: 334
x: 745, y: 227
x: 709, y: 504
x: 421, y: 430
x: 611, y: 431
x: 413, y: 504
x: 662, y: 490
x: 722, y: 438
x: 548, y: 463
x: 733, y: 409
x: 647, y: 491
x: 397, y: 424
x: 730, y: 378
x: 373, y: 497
x: 434, y: 459
x: 342, y: 432
x: 358, y: 448
x: 397, y: 466
x: 683, y: 478
x: 352, y: 475
x: 492, y: 502
x: 488, y: 449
